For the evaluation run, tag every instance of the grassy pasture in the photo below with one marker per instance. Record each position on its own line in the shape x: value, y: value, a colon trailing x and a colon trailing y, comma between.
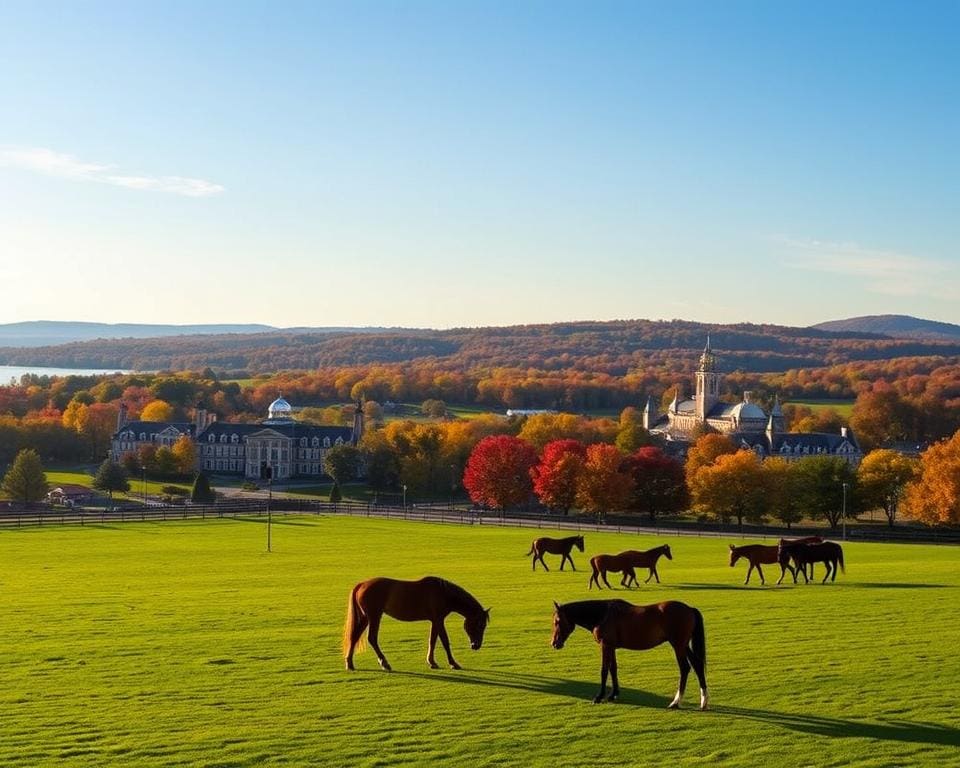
x: 186, y: 643
x: 841, y: 406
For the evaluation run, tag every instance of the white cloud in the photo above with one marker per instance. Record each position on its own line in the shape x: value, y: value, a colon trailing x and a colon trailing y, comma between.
x: 51, y: 163
x: 886, y: 272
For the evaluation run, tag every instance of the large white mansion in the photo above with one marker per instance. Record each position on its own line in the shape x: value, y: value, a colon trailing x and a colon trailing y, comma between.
x: 290, y: 448
x: 746, y: 423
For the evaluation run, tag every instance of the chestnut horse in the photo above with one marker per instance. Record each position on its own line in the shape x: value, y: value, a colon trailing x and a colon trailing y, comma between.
x: 626, y: 562
x: 619, y: 624
x: 429, y: 599
x: 761, y: 554
x: 828, y: 552
x: 542, y: 546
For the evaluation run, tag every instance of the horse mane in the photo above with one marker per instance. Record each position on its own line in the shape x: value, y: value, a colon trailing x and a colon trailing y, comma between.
x: 460, y: 595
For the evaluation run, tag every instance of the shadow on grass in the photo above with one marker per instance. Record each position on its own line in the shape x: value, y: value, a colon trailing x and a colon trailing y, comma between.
x: 735, y: 587
x: 577, y: 689
x: 831, y: 727
x: 892, y: 585
x: 276, y: 521
x: 897, y: 730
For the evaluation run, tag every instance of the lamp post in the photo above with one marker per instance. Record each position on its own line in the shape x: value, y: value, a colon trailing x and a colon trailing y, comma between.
x: 143, y: 477
x: 404, y: 498
x: 843, y: 513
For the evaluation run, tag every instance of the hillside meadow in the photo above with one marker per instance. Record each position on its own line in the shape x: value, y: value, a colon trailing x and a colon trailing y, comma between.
x: 186, y: 643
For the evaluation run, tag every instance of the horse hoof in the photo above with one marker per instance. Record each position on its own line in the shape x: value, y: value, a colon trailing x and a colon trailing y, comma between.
x: 598, y: 699
x: 673, y: 705
x: 433, y: 665
x: 455, y: 666
x: 612, y: 698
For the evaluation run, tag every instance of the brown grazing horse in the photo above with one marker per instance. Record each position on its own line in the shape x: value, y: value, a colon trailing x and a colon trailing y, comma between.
x: 542, y: 546
x: 757, y: 554
x: 429, y: 599
x: 828, y: 552
x: 619, y: 624
x: 626, y: 562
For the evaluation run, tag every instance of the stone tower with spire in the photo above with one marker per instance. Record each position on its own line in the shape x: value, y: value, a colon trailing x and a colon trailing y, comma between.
x: 708, y: 383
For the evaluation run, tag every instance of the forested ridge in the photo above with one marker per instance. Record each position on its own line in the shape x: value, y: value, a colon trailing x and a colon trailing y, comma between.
x: 614, y: 348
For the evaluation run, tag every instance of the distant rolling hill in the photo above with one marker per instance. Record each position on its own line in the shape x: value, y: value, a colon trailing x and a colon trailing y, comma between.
x: 897, y: 326
x: 44, y: 333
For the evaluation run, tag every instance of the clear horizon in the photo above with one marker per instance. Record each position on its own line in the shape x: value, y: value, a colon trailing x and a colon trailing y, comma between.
x: 424, y: 165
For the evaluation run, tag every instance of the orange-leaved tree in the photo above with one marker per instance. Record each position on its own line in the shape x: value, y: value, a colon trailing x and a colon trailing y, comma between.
x: 605, y: 484
x: 934, y: 497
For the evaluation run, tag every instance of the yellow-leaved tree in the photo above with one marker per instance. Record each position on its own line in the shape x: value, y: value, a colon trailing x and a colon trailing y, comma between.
x: 157, y: 410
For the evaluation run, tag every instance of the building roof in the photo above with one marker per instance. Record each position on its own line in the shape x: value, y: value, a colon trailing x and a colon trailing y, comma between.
x: 290, y: 429
x: 154, y: 427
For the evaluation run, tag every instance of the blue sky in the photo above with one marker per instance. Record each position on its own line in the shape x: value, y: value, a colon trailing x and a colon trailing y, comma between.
x: 453, y: 164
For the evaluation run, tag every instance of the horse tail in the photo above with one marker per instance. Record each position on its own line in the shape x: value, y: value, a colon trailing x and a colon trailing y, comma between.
x: 840, y: 558
x: 532, y: 548
x: 699, y: 640
x: 350, y: 625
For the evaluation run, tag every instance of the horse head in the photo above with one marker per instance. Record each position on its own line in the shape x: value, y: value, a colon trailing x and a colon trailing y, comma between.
x: 475, y: 626
x: 579, y: 543
x: 667, y: 552
x: 562, y: 627
x: 734, y: 555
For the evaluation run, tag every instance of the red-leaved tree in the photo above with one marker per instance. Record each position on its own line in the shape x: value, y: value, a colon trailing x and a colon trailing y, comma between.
x: 555, y: 478
x: 659, y: 482
x: 498, y: 471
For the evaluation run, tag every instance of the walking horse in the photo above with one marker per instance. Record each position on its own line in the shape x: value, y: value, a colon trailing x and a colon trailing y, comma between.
x: 619, y: 624
x: 563, y: 547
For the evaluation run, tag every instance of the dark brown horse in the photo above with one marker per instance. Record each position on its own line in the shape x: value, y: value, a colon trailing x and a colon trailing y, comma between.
x: 761, y: 554
x: 429, y: 599
x: 619, y: 624
x: 828, y: 552
x: 542, y: 546
x: 626, y: 562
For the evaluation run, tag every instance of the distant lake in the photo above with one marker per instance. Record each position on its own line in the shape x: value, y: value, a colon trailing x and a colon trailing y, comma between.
x: 8, y: 372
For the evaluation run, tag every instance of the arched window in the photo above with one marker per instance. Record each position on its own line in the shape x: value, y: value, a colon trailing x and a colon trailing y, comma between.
x: 143, y: 436
x: 339, y: 441
x: 223, y: 438
x: 211, y: 438
x: 303, y: 442
x: 234, y: 438
x: 326, y: 442
x: 315, y: 442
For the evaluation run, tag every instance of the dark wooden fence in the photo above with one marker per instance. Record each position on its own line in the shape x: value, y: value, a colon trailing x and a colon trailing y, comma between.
x: 40, y: 515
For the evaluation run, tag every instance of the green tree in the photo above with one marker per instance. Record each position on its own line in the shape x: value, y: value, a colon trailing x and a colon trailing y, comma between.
x: 202, y: 493
x: 782, y: 485
x: 111, y: 477
x: 434, y: 408
x: 882, y: 476
x: 335, y: 493
x: 822, y: 492
x: 25, y: 481
x: 342, y: 463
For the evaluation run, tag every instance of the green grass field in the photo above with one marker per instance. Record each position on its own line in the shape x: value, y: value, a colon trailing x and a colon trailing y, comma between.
x: 843, y: 407
x: 186, y: 643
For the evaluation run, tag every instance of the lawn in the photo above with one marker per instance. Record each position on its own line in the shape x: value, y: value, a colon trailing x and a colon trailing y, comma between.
x: 843, y: 407
x: 186, y: 643
x: 153, y: 487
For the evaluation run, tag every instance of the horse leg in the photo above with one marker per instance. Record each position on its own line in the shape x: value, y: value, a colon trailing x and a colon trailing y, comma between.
x: 826, y: 564
x: 698, y: 668
x: 373, y: 637
x: 684, y: 664
x: 543, y: 562
x: 594, y: 580
x: 604, y: 664
x: 749, y: 571
x: 434, y: 633
x: 614, y: 680
x: 358, y: 630
x: 763, y: 581
x: 604, y: 574
x: 446, y: 646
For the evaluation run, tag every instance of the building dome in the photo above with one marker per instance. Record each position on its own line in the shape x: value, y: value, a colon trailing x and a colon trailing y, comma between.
x: 743, y: 411
x: 280, y: 409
